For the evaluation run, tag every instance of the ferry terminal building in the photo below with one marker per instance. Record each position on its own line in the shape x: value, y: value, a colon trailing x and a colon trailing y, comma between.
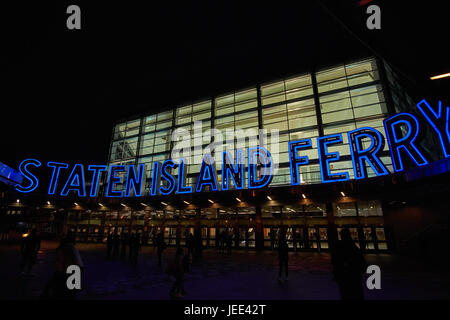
x: 384, y: 214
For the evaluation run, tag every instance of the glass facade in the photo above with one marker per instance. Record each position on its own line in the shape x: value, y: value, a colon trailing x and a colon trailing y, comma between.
x: 329, y: 101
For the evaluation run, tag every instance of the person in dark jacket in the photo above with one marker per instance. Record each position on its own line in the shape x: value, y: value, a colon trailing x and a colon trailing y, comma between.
x: 66, y: 255
x: 29, y: 249
x: 348, y: 267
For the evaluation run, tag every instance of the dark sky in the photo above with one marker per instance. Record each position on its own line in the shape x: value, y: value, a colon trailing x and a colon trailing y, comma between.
x: 61, y: 90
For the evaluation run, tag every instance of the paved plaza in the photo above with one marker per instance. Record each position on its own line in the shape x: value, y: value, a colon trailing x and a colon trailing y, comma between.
x: 243, y: 275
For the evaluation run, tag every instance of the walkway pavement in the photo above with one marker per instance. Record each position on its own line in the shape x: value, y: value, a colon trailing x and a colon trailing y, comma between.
x: 244, y: 275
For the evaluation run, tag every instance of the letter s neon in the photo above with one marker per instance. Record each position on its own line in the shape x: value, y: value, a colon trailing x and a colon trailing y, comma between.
x: 34, y: 182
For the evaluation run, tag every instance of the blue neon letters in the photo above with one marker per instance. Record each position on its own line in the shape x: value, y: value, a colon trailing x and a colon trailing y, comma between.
x: 295, y: 160
x: 34, y: 182
x: 368, y: 155
x: 326, y: 157
x: 406, y: 143
x: 366, y: 147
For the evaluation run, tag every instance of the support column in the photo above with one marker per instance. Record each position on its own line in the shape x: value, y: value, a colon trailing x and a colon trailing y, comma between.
x: 236, y: 230
x: 146, y: 223
x: 331, y: 229
x: 198, y: 234
x: 259, y: 230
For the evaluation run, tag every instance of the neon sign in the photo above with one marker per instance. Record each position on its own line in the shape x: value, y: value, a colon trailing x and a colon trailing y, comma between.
x: 401, y: 132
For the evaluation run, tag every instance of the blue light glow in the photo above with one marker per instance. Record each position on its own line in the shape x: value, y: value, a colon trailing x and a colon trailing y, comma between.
x: 181, y: 188
x: 57, y: 166
x: 439, y: 123
x: 168, y: 177
x: 112, y: 180
x: 368, y: 155
x: 97, y: 169
x: 135, y: 182
x: 75, y: 182
x: 405, y: 143
x: 207, y: 175
x: 236, y: 172
x: 155, y: 179
x: 326, y: 157
x: 295, y: 160
x: 34, y: 182
x: 266, y: 177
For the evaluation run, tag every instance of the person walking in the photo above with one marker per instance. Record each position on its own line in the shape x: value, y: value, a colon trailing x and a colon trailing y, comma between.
x: 294, y: 239
x: 229, y: 240
x: 190, y: 245
x: 348, y: 267
x: 283, y: 257
x: 160, y: 247
x: 66, y: 255
x: 109, y: 245
x: 124, y: 244
x: 247, y: 238
x: 29, y: 249
x: 272, y: 239
x: 176, y: 269
x: 135, y: 249
x: 116, y: 244
x: 223, y: 241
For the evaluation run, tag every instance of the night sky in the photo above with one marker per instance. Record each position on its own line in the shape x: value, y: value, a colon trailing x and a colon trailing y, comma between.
x: 61, y: 90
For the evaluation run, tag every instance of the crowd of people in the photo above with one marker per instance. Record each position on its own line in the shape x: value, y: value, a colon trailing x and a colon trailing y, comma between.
x: 118, y: 245
x: 346, y: 258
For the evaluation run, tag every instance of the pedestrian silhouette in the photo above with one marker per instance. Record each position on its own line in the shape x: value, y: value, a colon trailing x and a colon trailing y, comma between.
x: 190, y: 244
x: 131, y: 243
x: 223, y: 241
x: 135, y: 248
x: 160, y: 246
x: 229, y: 240
x: 176, y: 269
x: 116, y: 244
x: 272, y: 239
x: 29, y: 248
x: 124, y: 244
x: 294, y: 240
x: 109, y: 245
x: 66, y: 255
x: 283, y: 257
x: 348, y: 267
x: 247, y: 237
